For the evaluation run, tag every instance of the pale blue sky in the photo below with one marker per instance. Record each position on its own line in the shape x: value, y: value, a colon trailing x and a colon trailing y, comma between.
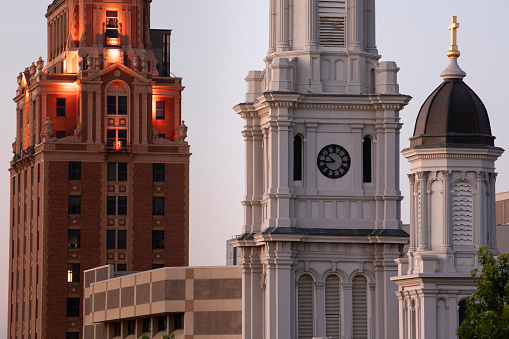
x: 215, y: 44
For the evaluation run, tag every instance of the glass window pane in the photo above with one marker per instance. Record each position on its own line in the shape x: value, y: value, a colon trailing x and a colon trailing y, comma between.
x: 110, y: 239
x: 122, y: 105
x: 157, y: 205
x: 74, y: 239
x: 74, y: 204
x: 157, y: 239
x: 112, y: 171
x: 74, y: 170
x: 122, y: 239
x: 61, y: 104
x: 111, y: 104
x: 122, y: 171
x: 111, y: 207
x: 122, y: 205
x: 158, y: 172
x: 122, y: 137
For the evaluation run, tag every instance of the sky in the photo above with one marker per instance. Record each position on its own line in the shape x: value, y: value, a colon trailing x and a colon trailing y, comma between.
x: 214, y: 45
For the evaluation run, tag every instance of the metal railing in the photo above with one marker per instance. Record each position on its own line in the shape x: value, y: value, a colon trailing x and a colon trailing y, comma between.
x: 118, y: 146
x: 29, y: 151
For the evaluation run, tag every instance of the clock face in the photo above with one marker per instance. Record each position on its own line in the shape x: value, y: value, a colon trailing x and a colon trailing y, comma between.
x: 333, y: 161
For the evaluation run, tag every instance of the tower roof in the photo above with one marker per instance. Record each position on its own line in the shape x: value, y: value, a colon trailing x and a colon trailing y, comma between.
x: 453, y: 115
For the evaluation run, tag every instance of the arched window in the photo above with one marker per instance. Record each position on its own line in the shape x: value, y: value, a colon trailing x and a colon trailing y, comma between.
x: 305, y: 312
x: 297, y: 158
x: 367, y: 163
x: 332, y: 307
x: 462, y: 311
x: 360, y: 307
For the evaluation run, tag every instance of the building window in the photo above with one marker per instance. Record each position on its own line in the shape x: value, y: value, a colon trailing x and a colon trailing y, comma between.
x: 157, y: 205
x: 116, y: 105
x: 360, y: 306
x: 158, y: 172
x: 366, y: 160
x: 61, y: 103
x: 110, y: 239
x: 122, y: 205
x: 72, y: 335
x: 74, y: 170
x: 305, y: 309
x: 74, y: 204
x: 160, y: 110
x: 162, y: 136
x: 73, y: 307
x: 121, y: 267
x: 462, y: 311
x: 116, y: 205
x: 117, y: 171
x: 156, y: 266
x: 112, y: 36
x: 131, y: 327
x: 166, y: 56
x: 121, y: 239
x: 116, y: 138
x: 179, y: 321
x: 111, y: 208
x: 61, y: 134
x: 74, y: 239
x: 332, y: 306
x: 73, y: 273
x: 117, y: 329
x: 157, y: 239
x: 297, y: 158
x: 147, y: 325
x: 162, y: 323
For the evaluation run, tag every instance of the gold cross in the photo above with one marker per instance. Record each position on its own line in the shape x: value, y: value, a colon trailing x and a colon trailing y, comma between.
x: 453, y: 52
x: 453, y: 27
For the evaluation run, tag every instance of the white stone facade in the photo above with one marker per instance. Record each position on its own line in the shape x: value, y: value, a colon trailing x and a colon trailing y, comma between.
x: 318, y: 253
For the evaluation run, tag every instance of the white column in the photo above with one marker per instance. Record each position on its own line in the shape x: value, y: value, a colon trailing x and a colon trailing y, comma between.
x: 370, y: 26
x: 257, y: 177
x: 355, y: 9
x: 479, y: 229
x: 320, y: 309
x: 272, y: 26
x: 273, y: 155
x: 492, y: 221
x: 312, y: 24
x: 446, y: 177
x: 356, y: 166
x: 309, y: 163
x: 347, y: 313
x: 283, y: 191
x: 423, y: 231
x: 248, y: 198
x: 283, y: 43
x: 37, y: 111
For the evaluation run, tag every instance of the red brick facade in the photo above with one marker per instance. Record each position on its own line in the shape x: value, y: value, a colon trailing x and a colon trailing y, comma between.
x: 49, y: 208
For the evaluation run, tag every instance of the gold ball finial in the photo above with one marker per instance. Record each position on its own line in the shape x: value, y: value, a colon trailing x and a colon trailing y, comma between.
x: 454, y: 52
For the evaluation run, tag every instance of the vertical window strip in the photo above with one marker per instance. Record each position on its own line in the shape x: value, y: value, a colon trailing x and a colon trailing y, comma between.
x: 367, y: 160
x: 297, y: 158
x: 305, y: 312
x: 360, y: 307
x: 332, y: 307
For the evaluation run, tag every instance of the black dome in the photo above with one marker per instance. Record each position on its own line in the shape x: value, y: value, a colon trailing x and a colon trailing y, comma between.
x: 452, y: 116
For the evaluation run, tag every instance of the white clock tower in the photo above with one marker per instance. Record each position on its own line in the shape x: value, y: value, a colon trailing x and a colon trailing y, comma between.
x: 322, y: 206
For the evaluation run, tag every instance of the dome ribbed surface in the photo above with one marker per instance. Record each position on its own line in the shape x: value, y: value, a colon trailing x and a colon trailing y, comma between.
x: 452, y: 116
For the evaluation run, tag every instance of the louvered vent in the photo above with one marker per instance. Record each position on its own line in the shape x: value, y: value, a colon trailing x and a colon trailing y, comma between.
x: 332, y: 307
x: 332, y: 17
x: 305, y: 306
x: 462, y: 214
x: 360, y: 308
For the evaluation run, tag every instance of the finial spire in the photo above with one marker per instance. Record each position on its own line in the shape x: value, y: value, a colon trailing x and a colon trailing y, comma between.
x: 453, y: 71
x: 453, y: 52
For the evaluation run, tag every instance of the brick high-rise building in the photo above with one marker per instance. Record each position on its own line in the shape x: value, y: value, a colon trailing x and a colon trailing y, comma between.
x: 100, y: 171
